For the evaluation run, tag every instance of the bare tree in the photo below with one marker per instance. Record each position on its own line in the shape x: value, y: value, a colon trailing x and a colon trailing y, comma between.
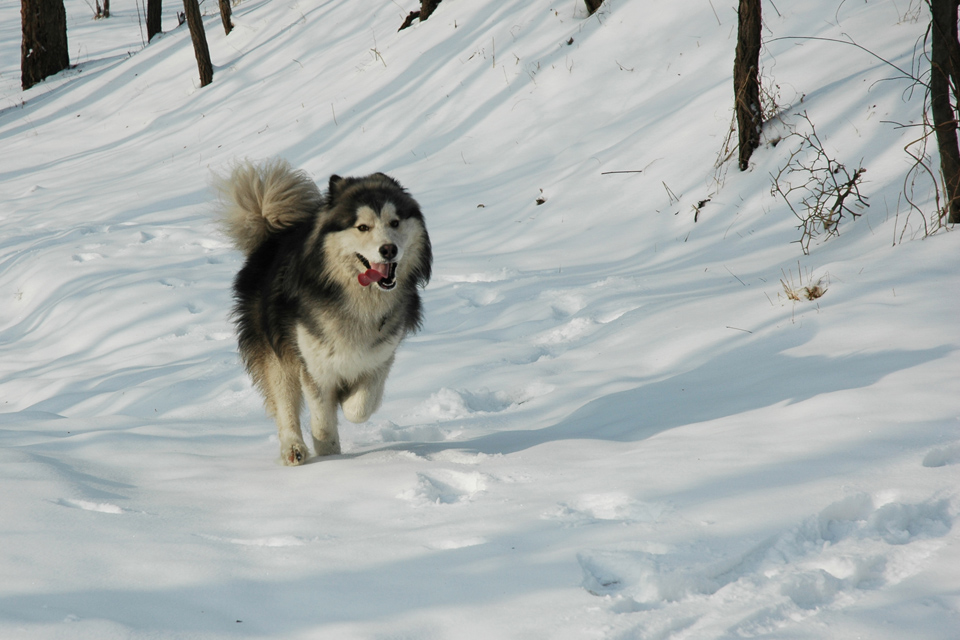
x: 944, y: 72
x: 746, y: 80
x: 225, y: 13
x: 153, y: 18
x: 200, y: 49
x: 43, y: 50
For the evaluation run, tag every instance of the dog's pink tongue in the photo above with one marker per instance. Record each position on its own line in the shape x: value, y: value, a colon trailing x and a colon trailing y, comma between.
x: 372, y: 275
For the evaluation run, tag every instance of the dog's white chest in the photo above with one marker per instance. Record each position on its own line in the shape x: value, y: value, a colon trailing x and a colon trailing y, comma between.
x: 339, y: 358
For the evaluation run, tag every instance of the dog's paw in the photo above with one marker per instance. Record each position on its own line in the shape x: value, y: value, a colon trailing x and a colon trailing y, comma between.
x: 294, y: 454
x: 361, y: 405
x: 356, y: 412
x: 326, y: 447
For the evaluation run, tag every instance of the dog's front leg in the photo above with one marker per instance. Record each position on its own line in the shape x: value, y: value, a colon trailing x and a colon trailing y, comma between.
x: 323, y: 416
x: 281, y: 389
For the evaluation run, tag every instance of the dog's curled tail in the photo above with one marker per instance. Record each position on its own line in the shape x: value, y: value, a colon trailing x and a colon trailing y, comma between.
x: 257, y: 200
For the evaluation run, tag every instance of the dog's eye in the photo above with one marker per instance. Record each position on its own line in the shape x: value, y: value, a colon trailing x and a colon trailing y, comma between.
x: 363, y: 228
x: 394, y: 224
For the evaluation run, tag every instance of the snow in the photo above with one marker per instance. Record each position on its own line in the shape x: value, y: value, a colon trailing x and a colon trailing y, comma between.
x: 614, y: 423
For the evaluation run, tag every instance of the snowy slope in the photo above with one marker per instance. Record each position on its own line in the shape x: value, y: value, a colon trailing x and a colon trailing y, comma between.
x: 614, y: 423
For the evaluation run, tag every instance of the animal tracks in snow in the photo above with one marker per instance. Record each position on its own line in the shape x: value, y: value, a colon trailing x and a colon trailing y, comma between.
x: 456, y: 479
x: 550, y: 317
x: 943, y: 456
x: 86, y: 505
x: 446, y: 486
x: 267, y: 541
x: 606, y: 507
x: 828, y: 560
x: 449, y: 404
x: 87, y: 256
x: 566, y: 306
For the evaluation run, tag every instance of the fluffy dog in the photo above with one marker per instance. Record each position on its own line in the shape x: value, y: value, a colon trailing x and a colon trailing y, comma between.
x: 328, y: 290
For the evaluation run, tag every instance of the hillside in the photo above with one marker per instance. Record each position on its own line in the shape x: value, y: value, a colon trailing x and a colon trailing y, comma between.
x: 614, y: 423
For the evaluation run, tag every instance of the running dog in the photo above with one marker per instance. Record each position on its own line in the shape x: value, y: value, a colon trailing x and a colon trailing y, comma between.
x: 328, y: 291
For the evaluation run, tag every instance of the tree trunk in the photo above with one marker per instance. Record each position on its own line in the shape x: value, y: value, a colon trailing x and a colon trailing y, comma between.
x: 43, y: 50
x: 225, y: 13
x: 413, y: 15
x: 200, y: 49
x: 944, y: 66
x: 427, y: 7
x: 593, y: 5
x: 153, y: 18
x: 746, y: 80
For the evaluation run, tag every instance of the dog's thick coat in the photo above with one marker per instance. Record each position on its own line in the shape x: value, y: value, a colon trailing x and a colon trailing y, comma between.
x: 328, y: 291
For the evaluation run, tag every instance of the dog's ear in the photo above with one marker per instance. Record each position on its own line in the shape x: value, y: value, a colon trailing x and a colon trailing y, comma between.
x: 335, y: 187
x: 385, y: 178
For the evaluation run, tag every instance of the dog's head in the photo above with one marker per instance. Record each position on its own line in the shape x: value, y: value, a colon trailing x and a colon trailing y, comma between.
x: 375, y: 234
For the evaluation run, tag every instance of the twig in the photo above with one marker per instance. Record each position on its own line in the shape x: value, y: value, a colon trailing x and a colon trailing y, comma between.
x: 670, y: 194
x: 734, y: 275
x: 850, y: 42
x: 825, y: 185
x: 715, y: 13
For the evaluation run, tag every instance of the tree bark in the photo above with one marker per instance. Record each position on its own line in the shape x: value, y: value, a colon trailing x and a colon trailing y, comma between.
x: 200, y: 49
x: 43, y: 49
x: 153, y: 18
x: 944, y: 67
x: 413, y: 15
x: 746, y: 80
x: 427, y: 7
x: 225, y: 13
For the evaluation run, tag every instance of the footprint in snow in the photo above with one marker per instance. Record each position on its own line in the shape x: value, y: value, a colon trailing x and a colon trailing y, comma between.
x: 604, y: 507
x: 471, y: 278
x: 447, y: 544
x: 446, y: 486
x: 943, y: 456
x: 479, y: 296
x: 450, y: 404
x: 563, y: 303
x: 828, y: 560
x: 566, y: 304
x: 268, y: 541
x: 567, y: 332
x: 86, y: 257
x: 86, y: 505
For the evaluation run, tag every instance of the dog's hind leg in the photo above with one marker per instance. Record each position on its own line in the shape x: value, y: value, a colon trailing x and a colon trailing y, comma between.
x: 280, y: 381
x: 323, y: 416
x: 365, y: 397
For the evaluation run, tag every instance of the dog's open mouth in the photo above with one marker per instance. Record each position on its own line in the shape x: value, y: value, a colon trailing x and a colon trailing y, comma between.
x: 383, y: 273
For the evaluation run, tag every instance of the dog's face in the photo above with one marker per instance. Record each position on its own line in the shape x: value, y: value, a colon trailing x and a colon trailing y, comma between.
x: 375, y: 234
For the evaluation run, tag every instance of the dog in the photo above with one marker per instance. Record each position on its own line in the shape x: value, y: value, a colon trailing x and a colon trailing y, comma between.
x: 329, y: 289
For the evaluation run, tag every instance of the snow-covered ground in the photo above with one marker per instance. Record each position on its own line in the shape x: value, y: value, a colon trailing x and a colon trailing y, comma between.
x: 614, y: 423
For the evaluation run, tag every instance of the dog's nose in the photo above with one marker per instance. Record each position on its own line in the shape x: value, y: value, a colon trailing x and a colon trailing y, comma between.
x: 388, y: 251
